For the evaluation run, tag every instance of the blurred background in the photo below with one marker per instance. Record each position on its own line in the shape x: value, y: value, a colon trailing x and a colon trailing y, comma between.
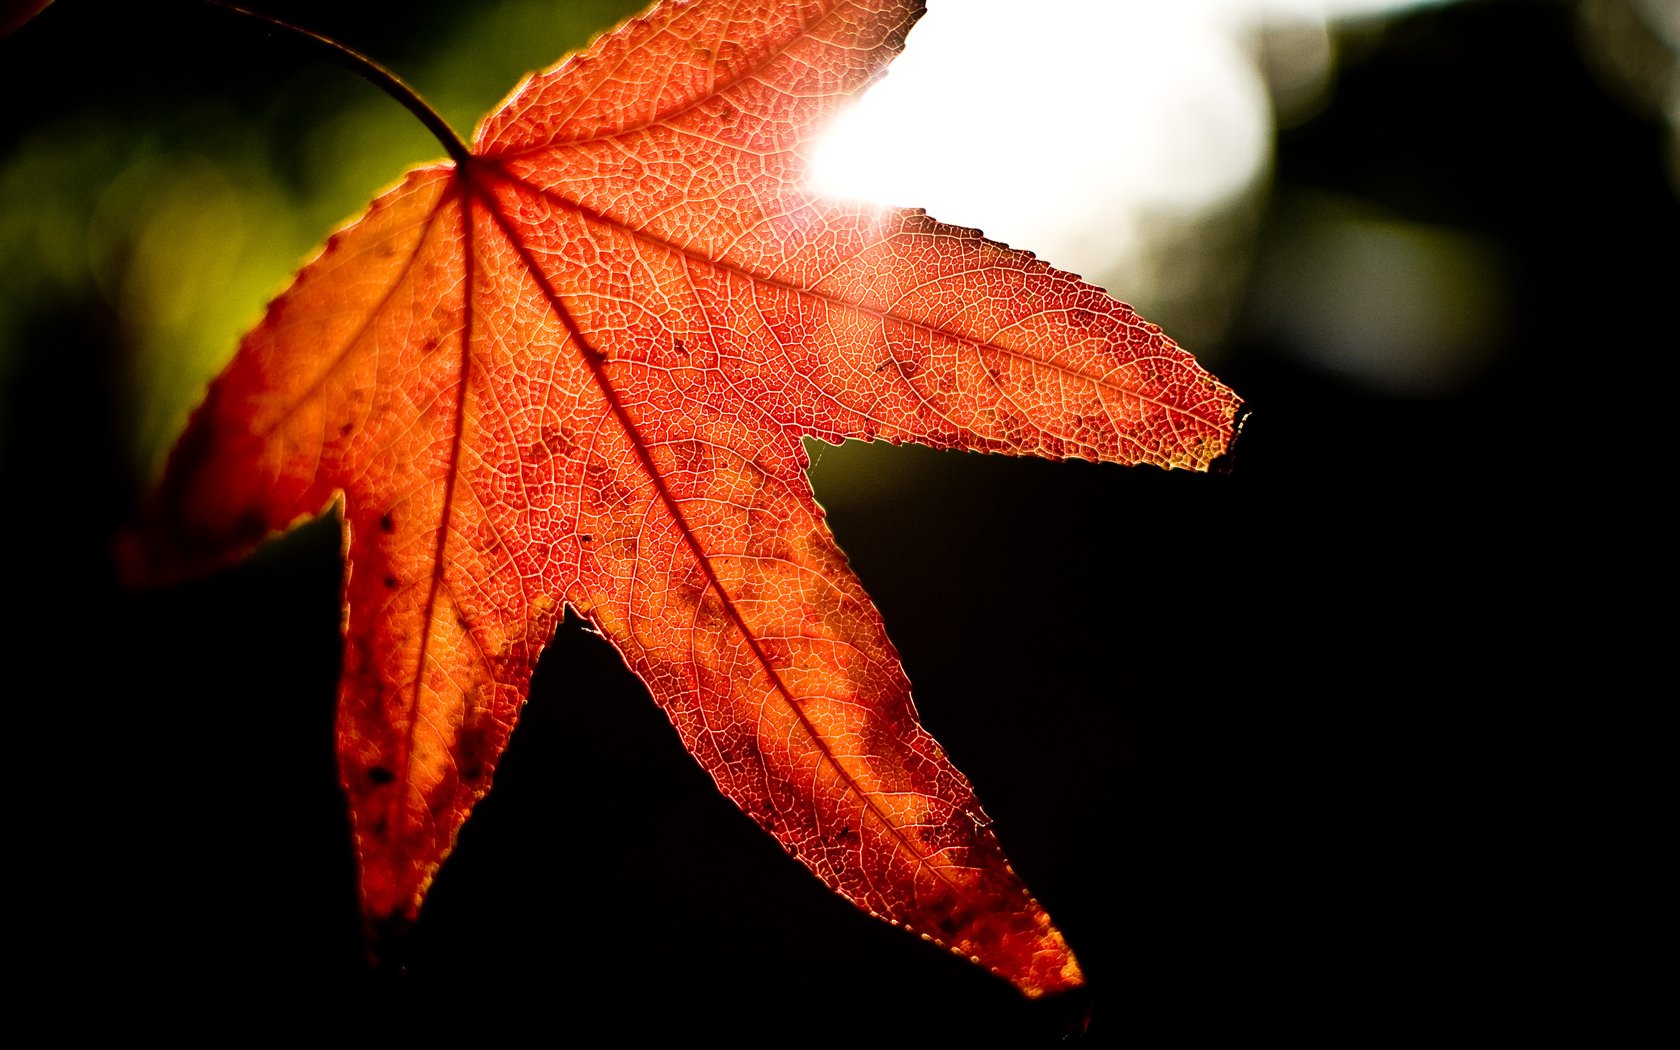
x: 1306, y: 747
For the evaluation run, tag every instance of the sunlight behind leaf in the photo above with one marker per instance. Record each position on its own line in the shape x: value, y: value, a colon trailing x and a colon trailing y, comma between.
x: 1099, y: 118
x: 1111, y: 137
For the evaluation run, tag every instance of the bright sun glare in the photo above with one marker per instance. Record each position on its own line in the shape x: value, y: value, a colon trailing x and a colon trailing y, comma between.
x: 1070, y: 126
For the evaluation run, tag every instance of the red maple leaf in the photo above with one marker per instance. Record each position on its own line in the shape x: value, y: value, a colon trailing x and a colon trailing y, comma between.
x: 574, y: 368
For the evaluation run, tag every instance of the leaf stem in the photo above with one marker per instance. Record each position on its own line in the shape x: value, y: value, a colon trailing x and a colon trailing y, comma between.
x: 370, y: 71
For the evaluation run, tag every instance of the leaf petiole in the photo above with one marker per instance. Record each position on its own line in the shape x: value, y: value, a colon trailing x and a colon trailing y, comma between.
x: 370, y: 71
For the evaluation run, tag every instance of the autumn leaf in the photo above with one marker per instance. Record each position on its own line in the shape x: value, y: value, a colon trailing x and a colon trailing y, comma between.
x: 574, y: 369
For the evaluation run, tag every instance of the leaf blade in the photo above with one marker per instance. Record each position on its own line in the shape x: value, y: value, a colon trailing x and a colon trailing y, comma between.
x: 578, y: 372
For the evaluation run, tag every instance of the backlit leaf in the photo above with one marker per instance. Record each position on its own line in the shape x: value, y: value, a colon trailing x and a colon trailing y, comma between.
x: 576, y: 372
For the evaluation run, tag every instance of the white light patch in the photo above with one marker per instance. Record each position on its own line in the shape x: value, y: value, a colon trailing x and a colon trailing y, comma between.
x: 1056, y: 127
x: 1070, y: 127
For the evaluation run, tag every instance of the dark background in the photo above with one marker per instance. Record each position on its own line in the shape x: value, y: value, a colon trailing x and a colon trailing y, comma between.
x: 1310, y: 748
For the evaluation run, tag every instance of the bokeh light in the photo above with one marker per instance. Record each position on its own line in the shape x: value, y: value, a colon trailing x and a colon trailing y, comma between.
x: 1110, y: 138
